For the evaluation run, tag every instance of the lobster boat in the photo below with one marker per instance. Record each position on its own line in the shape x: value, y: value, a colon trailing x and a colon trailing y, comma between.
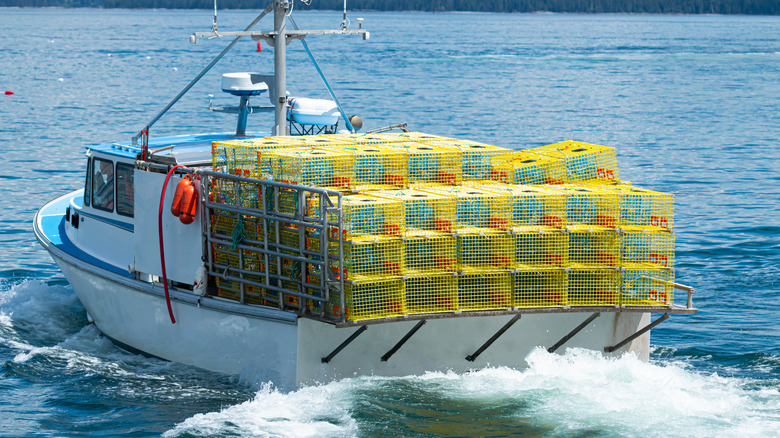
x: 314, y: 252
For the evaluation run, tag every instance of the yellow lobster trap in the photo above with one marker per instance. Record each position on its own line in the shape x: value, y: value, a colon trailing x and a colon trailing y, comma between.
x: 590, y: 205
x: 647, y: 247
x: 647, y: 286
x: 485, y: 250
x: 583, y: 161
x: 644, y: 208
x: 477, y: 157
x: 377, y: 167
x: 377, y: 138
x: 318, y: 167
x: 540, y: 247
x: 476, y: 208
x: 428, y: 292
x: 484, y: 289
x: 424, y: 211
x: 594, y: 287
x: 530, y: 205
x: 429, y: 251
x: 375, y: 296
x: 368, y: 255
x: 539, y: 287
x: 594, y: 247
x: 524, y: 167
x: 432, y: 164
x: 365, y: 215
x: 244, y: 157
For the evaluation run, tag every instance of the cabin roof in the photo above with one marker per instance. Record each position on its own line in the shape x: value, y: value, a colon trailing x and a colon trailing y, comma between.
x: 187, y: 149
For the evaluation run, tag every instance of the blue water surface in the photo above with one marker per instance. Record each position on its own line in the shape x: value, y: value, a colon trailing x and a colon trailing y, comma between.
x: 690, y: 102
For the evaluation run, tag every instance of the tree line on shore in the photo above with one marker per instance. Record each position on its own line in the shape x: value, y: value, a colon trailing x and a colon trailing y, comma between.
x: 747, y: 7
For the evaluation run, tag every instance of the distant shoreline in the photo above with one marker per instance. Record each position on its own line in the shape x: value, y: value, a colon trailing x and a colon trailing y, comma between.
x: 660, y: 7
x: 4, y: 7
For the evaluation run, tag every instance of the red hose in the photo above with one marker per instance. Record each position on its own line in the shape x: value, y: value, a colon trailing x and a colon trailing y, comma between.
x: 162, y: 245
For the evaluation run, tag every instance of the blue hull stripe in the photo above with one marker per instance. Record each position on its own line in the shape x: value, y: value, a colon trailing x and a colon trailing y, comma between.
x: 53, y: 228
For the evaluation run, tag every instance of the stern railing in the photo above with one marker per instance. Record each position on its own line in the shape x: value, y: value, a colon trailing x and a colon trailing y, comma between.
x: 274, y: 244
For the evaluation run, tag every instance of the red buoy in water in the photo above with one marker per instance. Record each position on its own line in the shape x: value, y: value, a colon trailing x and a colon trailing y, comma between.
x: 259, y: 47
x: 9, y: 92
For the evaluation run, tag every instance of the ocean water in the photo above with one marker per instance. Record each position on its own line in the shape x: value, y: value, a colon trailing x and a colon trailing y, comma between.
x: 690, y: 102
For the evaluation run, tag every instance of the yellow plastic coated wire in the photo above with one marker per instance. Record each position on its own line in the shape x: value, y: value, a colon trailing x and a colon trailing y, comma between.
x: 436, y: 224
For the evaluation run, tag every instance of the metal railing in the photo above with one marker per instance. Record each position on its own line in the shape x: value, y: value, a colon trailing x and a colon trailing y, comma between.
x: 289, y: 251
x: 277, y: 244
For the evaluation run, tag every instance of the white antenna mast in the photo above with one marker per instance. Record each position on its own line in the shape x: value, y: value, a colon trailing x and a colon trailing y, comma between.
x: 344, y: 20
x: 214, y: 26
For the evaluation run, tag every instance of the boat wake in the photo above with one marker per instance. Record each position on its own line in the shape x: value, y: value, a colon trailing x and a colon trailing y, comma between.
x: 41, y: 324
x: 574, y: 394
x: 44, y: 334
x: 39, y: 313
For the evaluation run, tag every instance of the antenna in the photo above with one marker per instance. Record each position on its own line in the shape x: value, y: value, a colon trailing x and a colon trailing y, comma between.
x: 214, y: 26
x: 344, y: 20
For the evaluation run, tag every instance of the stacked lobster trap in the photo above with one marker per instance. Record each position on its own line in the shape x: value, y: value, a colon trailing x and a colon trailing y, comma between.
x: 427, y: 224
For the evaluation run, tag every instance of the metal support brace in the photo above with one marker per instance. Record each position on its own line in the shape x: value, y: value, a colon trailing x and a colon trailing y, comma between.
x: 637, y: 334
x: 349, y: 340
x: 493, y: 338
x: 572, y: 333
x: 145, y: 132
x: 403, y: 340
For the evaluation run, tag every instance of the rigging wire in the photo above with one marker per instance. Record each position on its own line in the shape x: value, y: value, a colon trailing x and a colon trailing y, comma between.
x: 322, y: 75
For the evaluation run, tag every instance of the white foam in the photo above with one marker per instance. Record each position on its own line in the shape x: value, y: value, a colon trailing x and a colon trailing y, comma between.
x: 575, y: 393
x: 5, y: 320
x: 48, y: 312
x: 40, y: 320
x: 582, y: 390
x: 309, y: 412
x: 578, y: 392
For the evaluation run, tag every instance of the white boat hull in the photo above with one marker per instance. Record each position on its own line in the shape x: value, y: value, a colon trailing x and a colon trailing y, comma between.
x: 263, y: 344
x: 289, y: 353
x: 137, y: 317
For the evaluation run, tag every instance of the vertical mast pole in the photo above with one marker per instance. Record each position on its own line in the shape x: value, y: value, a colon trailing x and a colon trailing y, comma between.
x: 280, y: 67
x: 344, y: 20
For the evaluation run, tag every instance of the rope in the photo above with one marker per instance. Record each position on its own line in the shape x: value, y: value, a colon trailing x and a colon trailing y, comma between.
x: 296, y: 270
x: 269, y: 199
x: 238, y: 233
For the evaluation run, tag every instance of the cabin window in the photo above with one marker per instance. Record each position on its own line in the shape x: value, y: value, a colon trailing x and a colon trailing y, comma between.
x: 124, y: 189
x: 103, y: 184
x: 88, y: 184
